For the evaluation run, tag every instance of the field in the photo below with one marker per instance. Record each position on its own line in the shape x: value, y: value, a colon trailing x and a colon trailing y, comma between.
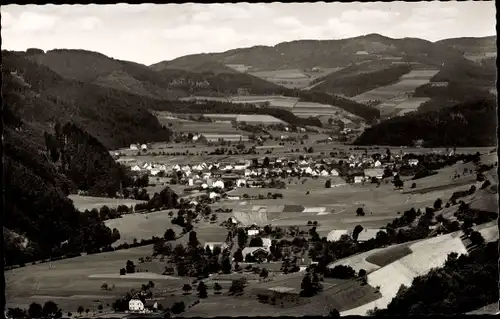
x: 87, y: 202
x: 394, y: 95
x: 290, y: 78
x: 67, y: 282
x: 141, y: 226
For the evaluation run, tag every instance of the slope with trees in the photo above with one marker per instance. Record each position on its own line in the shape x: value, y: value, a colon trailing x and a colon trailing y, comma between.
x: 356, y: 84
x: 39, y: 97
x: 470, y: 123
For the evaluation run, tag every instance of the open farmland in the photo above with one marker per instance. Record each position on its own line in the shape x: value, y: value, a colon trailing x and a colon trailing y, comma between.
x: 88, y: 202
x: 395, y: 94
x: 141, y: 226
x: 69, y: 283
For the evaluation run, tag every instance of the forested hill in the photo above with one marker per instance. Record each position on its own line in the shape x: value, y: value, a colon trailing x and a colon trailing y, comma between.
x: 36, y: 206
x: 472, y: 123
x: 39, y: 97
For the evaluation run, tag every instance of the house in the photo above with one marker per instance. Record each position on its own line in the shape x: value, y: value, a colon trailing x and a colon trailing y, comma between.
x: 266, y: 242
x: 213, y: 195
x: 133, y: 147
x: 253, y: 230
x: 233, y: 197
x: 241, y: 183
x: 413, y: 162
x: 374, y: 172
x: 144, y: 147
x: 136, y: 168
x: 377, y: 163
x: 259, y: 253
x: 334, y: 172
x: 359, y: 179
x: 218, y: 184
x: 136, y: 304
x: 151, y: 304
x: 367, y: 234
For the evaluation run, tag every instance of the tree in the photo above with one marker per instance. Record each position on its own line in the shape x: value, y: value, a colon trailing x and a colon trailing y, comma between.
x: 237, y: 286
x: 242, y: 238
x: 438, y: 203
x: 357, y: 230
x: 169, y: 234
x: 362, y: 275
x: 334, y: 313
x: 217, y: 288
x: 187, y: 288
x: 70, y: 314
x: 202, y: 290
x: 50, y: 309
x: 398, y: 183
x: 79, y: 310
x: 151, y: 284
x: 413, y: 185
x: 193, y: 239
x: 35, y: 310
x: 178, y: 307
x: 87, y: 311
x: 360, y: 212
x: 256, y: 242
x: 104, y: 286
x: 130, y: 267
x: 123, y: 272
x: 264, y: 273
x: 17, y: 313
x: 238, y: 255
x: 100, y: 307
x: 476, y: 238
x: 328, y: 184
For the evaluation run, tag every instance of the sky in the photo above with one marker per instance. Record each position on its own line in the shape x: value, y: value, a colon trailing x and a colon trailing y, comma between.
x: 150, y: 33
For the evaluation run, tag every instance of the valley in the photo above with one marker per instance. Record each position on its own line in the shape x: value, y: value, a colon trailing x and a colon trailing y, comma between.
x: 334, y: 177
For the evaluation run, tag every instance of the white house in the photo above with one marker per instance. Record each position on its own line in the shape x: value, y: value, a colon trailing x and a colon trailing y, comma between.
x: 144, y: 147
x: 241, y: 183
x: 136, y: 168
x: 135, y: 304
x: 324, y: 173
x: 253, y: 232
x: 266, y: 242
x: 218, y: 184
x: 334, y: 172
x: 133, y: 147
x: 358, y: 179
x: 213, y: 195
x: 377, y: 163
x: 413, y: 162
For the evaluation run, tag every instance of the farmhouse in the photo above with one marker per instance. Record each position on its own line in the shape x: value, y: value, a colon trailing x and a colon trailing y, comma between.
x: 413, y: 162
x: 358, y: 179
x: 374, y: 172
x: 136, y: 304
x: 367, y: 234
x: 259, y: 253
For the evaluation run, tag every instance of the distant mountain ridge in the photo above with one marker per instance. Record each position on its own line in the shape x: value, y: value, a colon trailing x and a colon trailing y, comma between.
x: 327, y: 53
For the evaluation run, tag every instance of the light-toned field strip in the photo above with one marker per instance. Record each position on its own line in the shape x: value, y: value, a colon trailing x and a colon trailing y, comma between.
x: 426, y: 254
x: 140, y: 275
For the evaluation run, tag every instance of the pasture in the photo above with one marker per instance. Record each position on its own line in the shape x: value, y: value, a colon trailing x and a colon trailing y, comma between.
x: 88, y: 202
x: 142, y: 226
